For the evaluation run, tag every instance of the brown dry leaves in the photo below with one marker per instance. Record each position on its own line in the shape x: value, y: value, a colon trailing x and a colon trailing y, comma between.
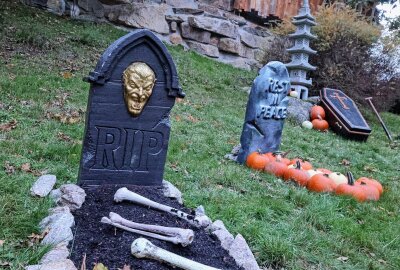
x: 34, y: 238
x: 192, y: 119
x: 25, y: 167
x: 57, y: 111
x: 9, y: 126
x: 345, y: 162
x: 62, y: 137
x: 8, y: 168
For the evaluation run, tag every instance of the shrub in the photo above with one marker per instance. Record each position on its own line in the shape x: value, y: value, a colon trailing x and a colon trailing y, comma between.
x: 349, y: 56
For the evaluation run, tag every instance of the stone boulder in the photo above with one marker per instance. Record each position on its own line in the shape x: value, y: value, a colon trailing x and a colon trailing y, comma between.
x: 189, y: 32
x: 229, y: 45
x: 43, y: 185
x: 182, y: 3
x: 204, y: 49
x: 298, y: 110
x: 115, y: 2
x: 93, y: 7
x: 242, y: 254
x: 141, y: 15
x: 56, y: 6
x: 170, y: 191
x: 218, y: 26
x: 72, y: 196
x: 58, y: 225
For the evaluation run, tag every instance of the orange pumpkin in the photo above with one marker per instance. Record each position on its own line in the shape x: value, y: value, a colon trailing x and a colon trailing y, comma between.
x: 277, y: 156
x: 277, y: 168
x: 371, y: 182
x: 324, y: 170
x: 305, y: 165
x: 297, y: 175
x: 320, y: 124
x: 352, y: 190
x: 256, y: 161
x: 317, y: 112
x: 321, y: 183
x: 371, y: 192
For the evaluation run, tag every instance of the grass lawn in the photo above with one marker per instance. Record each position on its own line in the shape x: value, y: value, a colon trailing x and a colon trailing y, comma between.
x: 43, y: 60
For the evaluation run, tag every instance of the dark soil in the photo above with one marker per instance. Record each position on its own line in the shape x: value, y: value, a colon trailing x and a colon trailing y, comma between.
x: 103, y: 243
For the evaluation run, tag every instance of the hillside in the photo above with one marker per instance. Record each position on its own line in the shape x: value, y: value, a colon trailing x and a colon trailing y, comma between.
x: 43, y: 60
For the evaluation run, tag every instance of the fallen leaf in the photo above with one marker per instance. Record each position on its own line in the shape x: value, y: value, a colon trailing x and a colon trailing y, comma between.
x: 63, y: 137
x: 345, y: 162
x: 1, y: 243
x: 9, y: 168
x: 67, y: 75
x: 100, y: 266
x: 126, y: 267
x: 35, y: 238
x: 8, y: 126
x: 370, y: 169
x: 26, y: 167
x: 342, y: 258
x: 192, y: 119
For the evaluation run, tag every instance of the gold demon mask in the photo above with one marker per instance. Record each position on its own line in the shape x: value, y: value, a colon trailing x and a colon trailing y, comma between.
x: 139, y: 80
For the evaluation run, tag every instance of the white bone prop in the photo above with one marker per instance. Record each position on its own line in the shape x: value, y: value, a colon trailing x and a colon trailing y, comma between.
x: 123, y: 194
x: 143, y: 248
x: 172, y: 239
x: 176, y: 235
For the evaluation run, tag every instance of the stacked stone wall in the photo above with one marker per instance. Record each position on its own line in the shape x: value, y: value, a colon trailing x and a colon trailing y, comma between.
x: 208, y: 27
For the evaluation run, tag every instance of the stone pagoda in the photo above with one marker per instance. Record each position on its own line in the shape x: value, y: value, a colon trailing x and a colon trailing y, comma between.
x: 301, y: 50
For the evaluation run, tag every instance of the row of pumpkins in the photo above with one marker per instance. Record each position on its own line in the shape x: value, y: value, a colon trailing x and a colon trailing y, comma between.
x: 317, y: 116
x: 319, y: 180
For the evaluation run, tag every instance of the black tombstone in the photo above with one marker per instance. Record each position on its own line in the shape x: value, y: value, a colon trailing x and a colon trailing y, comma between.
x: 266, y: 111
x: 133, y: 89
x: 343, y: 115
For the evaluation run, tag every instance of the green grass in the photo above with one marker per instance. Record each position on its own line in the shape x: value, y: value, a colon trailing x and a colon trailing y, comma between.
x: 286, y: 226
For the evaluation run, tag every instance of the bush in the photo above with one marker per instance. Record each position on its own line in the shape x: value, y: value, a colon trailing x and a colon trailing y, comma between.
x: 349, y: 56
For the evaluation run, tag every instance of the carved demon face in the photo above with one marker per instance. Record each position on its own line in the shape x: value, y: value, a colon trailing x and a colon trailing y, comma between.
x: 139, y: 80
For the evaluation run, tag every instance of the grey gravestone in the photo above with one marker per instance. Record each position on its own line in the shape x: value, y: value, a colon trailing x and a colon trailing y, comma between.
x: 133, y: 89
x: 266, y: 111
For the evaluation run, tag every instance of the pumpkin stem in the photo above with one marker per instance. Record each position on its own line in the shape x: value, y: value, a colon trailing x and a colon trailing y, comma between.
x: 277, y: 153
x: 284, y: 154
x: 298, y: 165
x: 319, y: 117
x: 350, y: 179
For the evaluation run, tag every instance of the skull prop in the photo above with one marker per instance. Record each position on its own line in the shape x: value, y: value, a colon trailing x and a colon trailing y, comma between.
x: 139, y: 80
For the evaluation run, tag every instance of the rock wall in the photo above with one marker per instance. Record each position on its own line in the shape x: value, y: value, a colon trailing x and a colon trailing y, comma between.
x: 208, y: 27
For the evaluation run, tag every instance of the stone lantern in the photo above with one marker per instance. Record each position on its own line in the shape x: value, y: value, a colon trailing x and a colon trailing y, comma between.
x: 299, y: 66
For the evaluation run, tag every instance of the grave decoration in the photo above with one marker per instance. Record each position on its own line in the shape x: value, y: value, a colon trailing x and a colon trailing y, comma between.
x: 266, y: 111
x: 343, y: 115
x: 301, y: 173
x: 133, y: 89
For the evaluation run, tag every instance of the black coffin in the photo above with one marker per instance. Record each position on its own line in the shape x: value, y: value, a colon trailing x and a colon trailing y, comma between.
x: 343, y: 115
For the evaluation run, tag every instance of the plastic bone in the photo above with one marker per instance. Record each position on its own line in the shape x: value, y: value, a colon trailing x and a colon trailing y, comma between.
x: 172, y: 239
x: 143, y: 248
x: 176, y: 235
x: 123, y: 194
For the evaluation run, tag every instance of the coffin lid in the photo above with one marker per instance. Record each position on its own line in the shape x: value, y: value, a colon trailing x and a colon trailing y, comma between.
x: 351, y: 118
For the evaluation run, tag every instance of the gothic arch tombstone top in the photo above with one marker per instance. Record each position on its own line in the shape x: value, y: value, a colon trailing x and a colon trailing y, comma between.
x: 133, y: 88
